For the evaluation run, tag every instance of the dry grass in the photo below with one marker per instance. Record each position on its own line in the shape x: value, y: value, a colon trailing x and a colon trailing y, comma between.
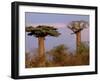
x: 59, y: 56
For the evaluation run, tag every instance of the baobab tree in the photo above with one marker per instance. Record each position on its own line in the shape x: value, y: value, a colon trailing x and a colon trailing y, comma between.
x: 77, y: 27
x: 41, y: 32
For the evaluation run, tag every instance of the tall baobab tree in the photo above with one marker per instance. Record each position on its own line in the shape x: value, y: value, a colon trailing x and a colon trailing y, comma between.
x: 77, y: 27
x: 41, y: 32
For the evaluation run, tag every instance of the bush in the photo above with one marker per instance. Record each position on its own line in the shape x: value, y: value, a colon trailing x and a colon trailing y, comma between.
x: 59, y: 56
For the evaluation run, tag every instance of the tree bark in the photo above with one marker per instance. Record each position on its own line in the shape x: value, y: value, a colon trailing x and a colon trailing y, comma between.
x: 41, y: 51
x: 78, y: 40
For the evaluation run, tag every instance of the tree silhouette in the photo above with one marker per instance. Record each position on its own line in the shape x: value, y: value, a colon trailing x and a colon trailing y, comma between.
x: 77, y: 27
x: 41, y: 32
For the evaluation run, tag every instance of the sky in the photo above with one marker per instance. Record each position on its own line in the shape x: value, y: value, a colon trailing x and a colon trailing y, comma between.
x: 59, y: 21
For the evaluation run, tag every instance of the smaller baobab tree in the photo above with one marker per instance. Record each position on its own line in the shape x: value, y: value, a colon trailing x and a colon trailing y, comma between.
x: 41, y: 32
x: 77, y: 27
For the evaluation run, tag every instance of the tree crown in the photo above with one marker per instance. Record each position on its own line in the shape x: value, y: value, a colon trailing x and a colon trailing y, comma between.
x: 77, y: 26
x: 42, y: 31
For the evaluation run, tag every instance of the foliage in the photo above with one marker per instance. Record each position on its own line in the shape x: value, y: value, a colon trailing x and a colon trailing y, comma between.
x: 42, y: 31
x: 77, y: 26
x: 83, y: 48
x: 59, y: 54
x: 61, y: 57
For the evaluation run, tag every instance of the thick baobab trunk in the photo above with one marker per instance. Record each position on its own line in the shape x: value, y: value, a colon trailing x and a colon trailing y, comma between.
x: 41, y: 51
x: 78, y: 40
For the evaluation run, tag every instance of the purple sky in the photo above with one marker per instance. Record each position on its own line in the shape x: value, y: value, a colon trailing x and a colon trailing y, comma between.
x: 60, y: 21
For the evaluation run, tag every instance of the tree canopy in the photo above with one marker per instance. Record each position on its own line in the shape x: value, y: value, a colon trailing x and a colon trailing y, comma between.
x: 77, y: 26
x: 42, y: 31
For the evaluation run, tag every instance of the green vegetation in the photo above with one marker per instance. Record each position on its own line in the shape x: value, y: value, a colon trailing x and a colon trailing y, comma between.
x: 83, y: 48
x: 59, y: 56
x: 42, y: 31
